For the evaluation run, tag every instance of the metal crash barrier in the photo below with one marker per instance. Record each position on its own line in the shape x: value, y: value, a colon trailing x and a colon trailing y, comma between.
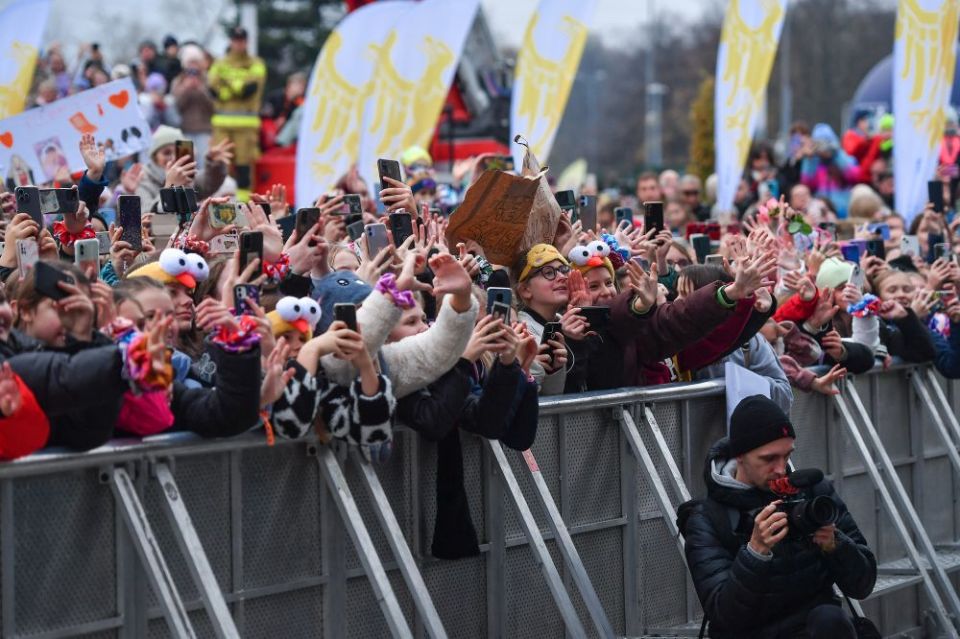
x: 182, y: 537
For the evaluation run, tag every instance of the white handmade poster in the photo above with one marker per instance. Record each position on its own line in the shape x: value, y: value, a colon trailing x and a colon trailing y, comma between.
x: 42, y: 144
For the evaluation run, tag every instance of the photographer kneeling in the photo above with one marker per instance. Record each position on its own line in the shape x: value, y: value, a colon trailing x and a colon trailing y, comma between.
x: 761, y: 551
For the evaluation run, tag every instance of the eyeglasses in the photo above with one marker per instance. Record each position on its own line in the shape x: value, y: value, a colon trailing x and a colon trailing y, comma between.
x: 693, y: 192
x: 549, y: 273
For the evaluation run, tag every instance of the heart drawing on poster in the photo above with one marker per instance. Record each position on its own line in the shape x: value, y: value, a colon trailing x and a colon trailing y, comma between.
x: 120, y: 99
x: 6, y: 139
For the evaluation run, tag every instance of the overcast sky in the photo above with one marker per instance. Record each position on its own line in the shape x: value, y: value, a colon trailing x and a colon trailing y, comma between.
x: 86, y: 20
x: 615, y: 19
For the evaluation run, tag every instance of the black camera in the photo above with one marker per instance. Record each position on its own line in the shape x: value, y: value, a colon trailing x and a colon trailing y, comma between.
x: 806, y: 514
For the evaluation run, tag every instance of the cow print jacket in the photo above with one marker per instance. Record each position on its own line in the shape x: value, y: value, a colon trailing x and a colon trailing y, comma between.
x: 348, y: 413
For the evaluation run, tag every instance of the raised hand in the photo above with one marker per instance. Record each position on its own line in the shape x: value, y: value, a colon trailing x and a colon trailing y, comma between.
x: 825, y: 384
x: 78, y: 309
x: 181, y: 172
x: 832, y: 345
x: 221, y: 152
x: 575, y: 326
x: 750, y: 275
x: 93, y: 156
x: 200, y: 226
x: 397, y: 195
x: 577, y: 289
x: 801, y: 284
x: 156, y: 334
x: 449, y: 276
x: 643, y: 285
x: 102, y: 296
x: 407, y: 278
x: 130, y: 178
x: 20, y: 227
x: 276, y: 377
x: 308, y: 253
x: 892, y: 310
x: 486, y: 334
x: 272, y: 237
x: 851, y: 294
x: 122, y: 253
x: 825, y: 309
x: 10, y: 398
x: 75, y: 222
x: 213, y: 314
x: 923, y: 303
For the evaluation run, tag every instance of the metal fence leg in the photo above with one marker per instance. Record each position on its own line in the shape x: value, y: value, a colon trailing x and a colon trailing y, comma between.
x: 567, y: 548
x: 902, y: 532
x: 921, y: 388
x: 631, y: 533
x: 148, y: 548
x: 560, y: 595
x: 947, y: 410
x: 401, y: 551
x: 196, y: 558
x: 678, y: 484
x: 629, y: 428
x: 340, y: 491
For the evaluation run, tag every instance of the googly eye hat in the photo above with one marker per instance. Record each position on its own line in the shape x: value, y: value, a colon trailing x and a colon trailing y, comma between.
x: 298, y: 314
x: 175, y: 266
x: 593, y: 255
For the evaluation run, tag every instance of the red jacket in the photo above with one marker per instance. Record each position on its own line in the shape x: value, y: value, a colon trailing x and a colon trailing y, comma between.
x: 25, y: 431
x: 796, y: 310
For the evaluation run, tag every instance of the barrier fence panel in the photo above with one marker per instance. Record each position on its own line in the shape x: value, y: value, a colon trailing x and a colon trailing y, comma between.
x: 275, y: 543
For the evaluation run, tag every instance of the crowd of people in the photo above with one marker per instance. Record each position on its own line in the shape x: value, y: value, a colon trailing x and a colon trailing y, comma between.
x: 183, y: 87
x: 250, y: 315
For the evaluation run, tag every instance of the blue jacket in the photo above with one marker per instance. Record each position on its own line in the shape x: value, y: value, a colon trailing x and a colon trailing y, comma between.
x: 90, y: 192
x: 947, y: 358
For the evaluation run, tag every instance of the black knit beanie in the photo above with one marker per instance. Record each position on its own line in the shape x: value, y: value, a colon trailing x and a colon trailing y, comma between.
x: 756, y: 421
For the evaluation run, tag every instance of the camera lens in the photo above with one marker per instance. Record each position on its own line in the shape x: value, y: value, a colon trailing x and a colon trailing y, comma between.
x: 822, y: 510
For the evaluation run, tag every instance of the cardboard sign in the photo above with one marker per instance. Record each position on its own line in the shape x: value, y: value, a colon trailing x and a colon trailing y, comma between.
x: 507, y: 214
x: 39, y: 145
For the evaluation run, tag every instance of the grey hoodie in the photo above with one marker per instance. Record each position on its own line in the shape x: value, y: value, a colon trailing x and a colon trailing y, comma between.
x: 763, y: 362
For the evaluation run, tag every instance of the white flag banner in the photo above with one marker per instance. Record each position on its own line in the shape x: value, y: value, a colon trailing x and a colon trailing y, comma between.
x: 925, y: 55
x: 21, y: 33
x: 748, y: 45
x: 546, y: 67
x: 414, y: 68
x: 343, y: 77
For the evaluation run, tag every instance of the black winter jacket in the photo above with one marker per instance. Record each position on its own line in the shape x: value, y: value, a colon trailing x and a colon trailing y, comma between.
x: 908, y: 339
x: 82, y: 391
x: 506, y: 409
x: 744, y: 596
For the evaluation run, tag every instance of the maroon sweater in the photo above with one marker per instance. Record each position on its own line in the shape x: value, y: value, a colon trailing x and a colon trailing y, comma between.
x: 663, y: 331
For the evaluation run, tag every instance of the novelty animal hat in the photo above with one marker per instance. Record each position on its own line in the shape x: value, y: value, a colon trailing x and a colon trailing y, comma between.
x: 175, y: 266
x: 606, y: 253
x: 537, y: 256
x: 299, y: 314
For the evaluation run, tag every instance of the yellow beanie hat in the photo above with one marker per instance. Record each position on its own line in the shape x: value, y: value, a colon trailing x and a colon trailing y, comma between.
x: 537, y: 256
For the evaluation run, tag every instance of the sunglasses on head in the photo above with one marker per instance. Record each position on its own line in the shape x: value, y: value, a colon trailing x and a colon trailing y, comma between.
x: 549, y: 273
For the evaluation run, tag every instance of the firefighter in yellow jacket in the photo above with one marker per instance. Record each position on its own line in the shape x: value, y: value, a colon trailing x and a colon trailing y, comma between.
x: 236, y: 81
